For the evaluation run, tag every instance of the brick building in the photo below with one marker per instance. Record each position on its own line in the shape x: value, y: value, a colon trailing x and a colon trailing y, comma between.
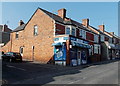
x: 4, y: 34
x: 51, y: 38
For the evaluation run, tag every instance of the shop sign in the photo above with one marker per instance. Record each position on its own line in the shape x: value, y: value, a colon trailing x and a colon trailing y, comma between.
x: 72, y: 38
x: 61, y: 39
x: 85, y: 42
x: 80, y: 41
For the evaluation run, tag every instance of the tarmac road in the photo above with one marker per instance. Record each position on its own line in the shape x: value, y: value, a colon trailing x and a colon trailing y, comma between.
x: 35, y: 73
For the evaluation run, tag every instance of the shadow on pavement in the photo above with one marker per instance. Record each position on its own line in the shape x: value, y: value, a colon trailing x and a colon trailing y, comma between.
x: 30, y: 73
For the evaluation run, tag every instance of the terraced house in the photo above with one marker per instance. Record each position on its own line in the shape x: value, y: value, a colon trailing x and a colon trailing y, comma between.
x: 51, y: 38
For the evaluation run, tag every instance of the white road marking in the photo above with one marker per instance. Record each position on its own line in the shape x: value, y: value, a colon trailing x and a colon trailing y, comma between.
x: 15, y: 67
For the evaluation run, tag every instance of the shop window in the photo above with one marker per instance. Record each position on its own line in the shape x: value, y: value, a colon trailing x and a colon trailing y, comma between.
x: 35, y: 30
x: 96, y: 49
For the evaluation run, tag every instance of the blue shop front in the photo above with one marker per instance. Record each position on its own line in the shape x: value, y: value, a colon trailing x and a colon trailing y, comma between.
x: 70, y: 51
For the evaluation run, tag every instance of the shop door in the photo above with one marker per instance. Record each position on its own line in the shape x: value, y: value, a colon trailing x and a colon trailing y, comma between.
x: 79, y: 57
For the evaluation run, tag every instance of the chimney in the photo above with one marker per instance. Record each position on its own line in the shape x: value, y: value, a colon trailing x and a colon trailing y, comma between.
x: 112, y: 33
x: 20, y: 23
x: 101, y: 28
x: 4, y: 28
x: 62, y: 13
x: 85, y: 22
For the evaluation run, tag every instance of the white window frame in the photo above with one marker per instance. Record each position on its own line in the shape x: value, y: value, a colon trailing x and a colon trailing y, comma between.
x: 96, y: 38
x: 74, y: 29
x: 80, y: 32
x: 102, y: 38
x: 83, y: 34
x: 17, y: 34
x: 97, y: 49
x: 71, y: 27
x: 35, y: 29
x: 66, y: 29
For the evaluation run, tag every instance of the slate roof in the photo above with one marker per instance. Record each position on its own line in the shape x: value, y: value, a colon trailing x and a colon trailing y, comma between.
x: 54, y: 16
x: 19, y: 28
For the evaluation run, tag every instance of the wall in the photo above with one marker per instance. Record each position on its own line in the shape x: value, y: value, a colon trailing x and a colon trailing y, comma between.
x: 43, y: 49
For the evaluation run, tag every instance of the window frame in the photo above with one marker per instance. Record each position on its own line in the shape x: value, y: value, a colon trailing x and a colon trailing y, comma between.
x: 69, y: 30
x: 17, y: 35
x: 74, y: 31
x: 35, y: 29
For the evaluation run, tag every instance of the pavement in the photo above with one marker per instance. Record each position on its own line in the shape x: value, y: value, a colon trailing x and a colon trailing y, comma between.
x: 35, y: 73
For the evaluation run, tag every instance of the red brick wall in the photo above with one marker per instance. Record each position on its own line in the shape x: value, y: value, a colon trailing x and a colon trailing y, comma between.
x: 43, y: 50
x: 89, y: 36
x: 60, y: 29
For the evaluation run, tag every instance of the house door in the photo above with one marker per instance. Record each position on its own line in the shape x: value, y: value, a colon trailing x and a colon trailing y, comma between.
x: 79, y: 57
x: 33, y: 47
x: 21, y: 51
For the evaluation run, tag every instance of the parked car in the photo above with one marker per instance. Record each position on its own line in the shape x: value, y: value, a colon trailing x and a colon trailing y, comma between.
x: 12, y: 57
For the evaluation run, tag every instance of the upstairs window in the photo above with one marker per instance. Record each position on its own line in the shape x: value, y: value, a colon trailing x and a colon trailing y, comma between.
x: 68, y: 30
x: 35, y: 30
x: 73, y: 32
x: 83, y: 34
x: 17, y: 35
x: 80, y: 33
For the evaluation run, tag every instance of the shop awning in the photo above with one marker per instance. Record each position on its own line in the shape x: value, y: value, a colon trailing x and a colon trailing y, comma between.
x: 57, y: 44
x: 80, y: 45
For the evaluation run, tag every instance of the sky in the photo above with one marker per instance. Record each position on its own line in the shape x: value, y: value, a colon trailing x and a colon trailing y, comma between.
x: 98, y: 12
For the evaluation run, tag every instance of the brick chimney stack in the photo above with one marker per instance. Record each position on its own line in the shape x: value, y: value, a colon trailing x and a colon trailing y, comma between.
x: 62, y: 13
x: 112, y: 33
x: 20, y: 23
x: 101, y: 28
x: 85, y: 22
x: 5, y: 27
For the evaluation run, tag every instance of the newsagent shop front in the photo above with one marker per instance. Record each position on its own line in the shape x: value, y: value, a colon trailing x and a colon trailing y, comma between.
x: 70, y: 51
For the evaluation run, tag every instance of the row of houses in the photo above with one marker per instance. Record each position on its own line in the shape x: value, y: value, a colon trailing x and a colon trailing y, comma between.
x: 57, y: 39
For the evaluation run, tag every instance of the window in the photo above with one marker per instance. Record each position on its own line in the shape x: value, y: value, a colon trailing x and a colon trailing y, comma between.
x: 73, y: 32
x: 80, y: 33
x: 84, y: 34
x: 97, y: 49
x: 68, y: 30
x: 102, y: 38
x: 17, y: 35
x: 96, y: 38
x: 35, y: 30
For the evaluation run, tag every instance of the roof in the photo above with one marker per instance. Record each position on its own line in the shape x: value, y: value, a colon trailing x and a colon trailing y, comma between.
x: 54, y: 16
x: 99, y: 31
x: 19, y: 28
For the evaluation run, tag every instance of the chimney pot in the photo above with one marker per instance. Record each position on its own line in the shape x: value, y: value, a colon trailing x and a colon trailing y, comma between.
x: 21, y: 23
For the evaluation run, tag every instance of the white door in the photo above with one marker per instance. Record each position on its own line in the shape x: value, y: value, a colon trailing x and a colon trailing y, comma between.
x: 79, y: 57
x: 21, y: 51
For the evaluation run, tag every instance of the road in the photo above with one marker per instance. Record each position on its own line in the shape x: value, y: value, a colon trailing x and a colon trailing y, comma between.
x: 35, y: 73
